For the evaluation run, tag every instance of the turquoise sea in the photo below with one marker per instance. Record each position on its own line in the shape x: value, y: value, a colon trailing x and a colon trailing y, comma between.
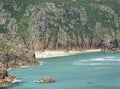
x: 83, y: 71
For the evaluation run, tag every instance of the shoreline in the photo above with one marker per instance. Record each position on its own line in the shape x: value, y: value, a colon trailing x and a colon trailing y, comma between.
x: 50, y: 54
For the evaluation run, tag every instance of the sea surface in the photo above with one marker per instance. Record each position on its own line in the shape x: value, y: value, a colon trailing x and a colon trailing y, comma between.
x: 83, y: 71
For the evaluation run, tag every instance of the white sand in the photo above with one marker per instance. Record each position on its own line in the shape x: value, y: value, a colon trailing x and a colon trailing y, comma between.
x: 49, y: 54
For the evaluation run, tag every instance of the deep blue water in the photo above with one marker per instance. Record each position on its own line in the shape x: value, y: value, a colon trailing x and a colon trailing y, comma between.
x: 84, y: 71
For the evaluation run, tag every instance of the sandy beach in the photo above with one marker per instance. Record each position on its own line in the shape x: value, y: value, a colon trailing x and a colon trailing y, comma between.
x: 49, y: 54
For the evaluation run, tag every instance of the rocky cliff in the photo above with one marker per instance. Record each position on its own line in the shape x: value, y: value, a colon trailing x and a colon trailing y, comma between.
x: 13, y: 60
x: 56, y: 24
x: 17, y: 59
x: 59, y: 24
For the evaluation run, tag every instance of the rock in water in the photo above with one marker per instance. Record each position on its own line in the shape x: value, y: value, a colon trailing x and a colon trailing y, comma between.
x: 46, y: 80
x: 5, y: 78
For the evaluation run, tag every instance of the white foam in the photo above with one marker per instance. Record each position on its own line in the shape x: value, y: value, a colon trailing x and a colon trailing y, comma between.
x: 95, y: 64
x: 9, y: 69
x: 112, y: 57
x: 41, y: 63
x: 85, y: 64
x: 106, y: 59
x: 16, y: 81
x: 24, y: 67
x: 98, y: 59
x: 38, y: 81
x: 84, y: 60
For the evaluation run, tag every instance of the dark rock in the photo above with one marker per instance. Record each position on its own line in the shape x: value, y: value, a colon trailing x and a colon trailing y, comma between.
x: 13, y: 59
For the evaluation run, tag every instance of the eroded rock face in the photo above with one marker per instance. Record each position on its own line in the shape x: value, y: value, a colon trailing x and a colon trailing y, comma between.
x: 14, y: 59
x: 3, y: 71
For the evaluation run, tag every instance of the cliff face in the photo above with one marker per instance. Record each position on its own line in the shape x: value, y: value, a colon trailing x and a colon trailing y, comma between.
x: 59, y: 24
x: 55, y: 24
x: 13, y: 59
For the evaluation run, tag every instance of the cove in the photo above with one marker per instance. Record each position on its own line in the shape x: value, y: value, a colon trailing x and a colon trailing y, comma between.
x: 83, y: 71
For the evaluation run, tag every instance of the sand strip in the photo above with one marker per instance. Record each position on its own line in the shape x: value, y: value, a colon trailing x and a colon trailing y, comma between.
x: 49, y: 54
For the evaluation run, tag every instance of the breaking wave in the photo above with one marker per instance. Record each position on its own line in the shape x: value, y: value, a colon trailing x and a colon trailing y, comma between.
x: 17, y: 80
x: 98, y: 61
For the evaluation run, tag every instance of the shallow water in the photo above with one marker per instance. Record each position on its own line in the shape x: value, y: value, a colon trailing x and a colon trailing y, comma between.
x: 84, y: 71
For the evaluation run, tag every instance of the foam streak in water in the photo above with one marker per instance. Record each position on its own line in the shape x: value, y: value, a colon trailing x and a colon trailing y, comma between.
x: 97, y: 61
x: 16, y: 81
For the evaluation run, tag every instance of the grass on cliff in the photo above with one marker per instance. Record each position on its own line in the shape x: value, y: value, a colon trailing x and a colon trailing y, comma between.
x: 3, y: 29
x: 7, y: 46
x: 71, y: 7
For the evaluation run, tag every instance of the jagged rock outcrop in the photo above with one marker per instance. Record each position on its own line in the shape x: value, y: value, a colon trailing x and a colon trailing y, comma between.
x: 18, y: 59
x: 3, y: 71
x: 5, y: 78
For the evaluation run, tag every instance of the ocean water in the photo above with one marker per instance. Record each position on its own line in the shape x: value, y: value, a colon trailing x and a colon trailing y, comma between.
x: 84, y: 71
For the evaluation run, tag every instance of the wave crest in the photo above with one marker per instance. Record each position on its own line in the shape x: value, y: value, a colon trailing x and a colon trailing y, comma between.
x: 98, y: 61
x: 17, y: 80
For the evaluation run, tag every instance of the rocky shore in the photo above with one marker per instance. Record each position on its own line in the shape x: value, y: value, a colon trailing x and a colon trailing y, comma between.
x: 5, y: 78
x: 18, y: 59
x: 13, y: 60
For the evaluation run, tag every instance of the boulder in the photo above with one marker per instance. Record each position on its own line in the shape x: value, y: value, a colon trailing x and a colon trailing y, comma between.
x: 5, y: 78
x: 46, y: 80
x: 7, y: 81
